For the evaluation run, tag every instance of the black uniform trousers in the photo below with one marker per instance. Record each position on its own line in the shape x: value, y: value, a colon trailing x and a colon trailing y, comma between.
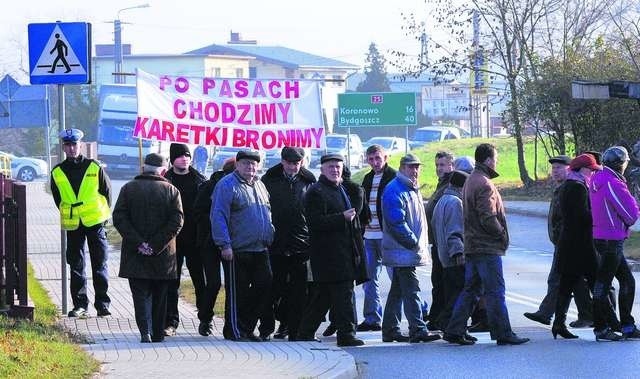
x: 189, y: 253
x: 289, y: 294
x: 210, y: 257
x: 96, y: 238
x: 150, y: 305
x: 437, y: 291
x: 337, y: 296
x: 247, y: 279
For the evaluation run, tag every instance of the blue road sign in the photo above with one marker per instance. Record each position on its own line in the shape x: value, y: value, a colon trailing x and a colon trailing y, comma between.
x: 60, y: 53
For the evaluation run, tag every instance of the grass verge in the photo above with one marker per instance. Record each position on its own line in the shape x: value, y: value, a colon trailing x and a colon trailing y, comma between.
x: 41, y: 349
x: 632, y: 246
x: 188, y: 294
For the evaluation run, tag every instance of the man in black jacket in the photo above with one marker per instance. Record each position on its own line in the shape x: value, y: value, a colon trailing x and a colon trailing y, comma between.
x: 335, y: 256
x: 287, y: 183
x: 371, y: 219
x: 186, y: 179
x: 209, y: 252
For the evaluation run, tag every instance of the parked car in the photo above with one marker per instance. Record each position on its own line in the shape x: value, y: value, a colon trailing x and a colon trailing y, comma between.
x: 26, y: 169
x: 273, y: 157
x: 222, y: 153
x: 392, y: 145
x: 337, y: 143
x: 427, y: 134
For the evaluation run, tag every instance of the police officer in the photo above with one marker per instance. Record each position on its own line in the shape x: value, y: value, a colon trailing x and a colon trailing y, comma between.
x: 81, y: 190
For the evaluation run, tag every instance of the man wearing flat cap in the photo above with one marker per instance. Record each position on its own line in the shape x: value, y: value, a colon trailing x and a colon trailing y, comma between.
x: 582, y: 297
x: 148, y: 215
x: 186, y: 179
x: 81, y: 190
x: 241, y: 228
x: 404, y: 247
x: 287, y: 183
x: 331, y: 214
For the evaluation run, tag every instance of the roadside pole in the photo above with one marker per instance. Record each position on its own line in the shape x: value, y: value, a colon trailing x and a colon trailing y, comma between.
x: 63, y: 233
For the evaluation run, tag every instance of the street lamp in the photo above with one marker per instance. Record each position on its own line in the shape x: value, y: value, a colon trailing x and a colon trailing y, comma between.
x: 117, y: 54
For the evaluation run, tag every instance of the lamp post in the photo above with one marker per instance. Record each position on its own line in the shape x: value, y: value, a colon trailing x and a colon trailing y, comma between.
x: 117, y: 53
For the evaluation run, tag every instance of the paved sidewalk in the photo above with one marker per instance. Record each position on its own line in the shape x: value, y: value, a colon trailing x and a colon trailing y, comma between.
x: 115, y: 340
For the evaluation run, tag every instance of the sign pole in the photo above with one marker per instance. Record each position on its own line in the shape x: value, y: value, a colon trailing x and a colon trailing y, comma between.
x: 63, y: 233
x: 349, y: 148
x: 406, y: 137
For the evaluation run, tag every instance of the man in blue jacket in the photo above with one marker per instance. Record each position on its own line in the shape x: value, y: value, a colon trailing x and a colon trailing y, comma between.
x: 241, y: 228
x: 404, y: 247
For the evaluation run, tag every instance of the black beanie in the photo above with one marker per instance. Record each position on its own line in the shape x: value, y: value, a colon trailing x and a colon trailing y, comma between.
x: 177, y: 150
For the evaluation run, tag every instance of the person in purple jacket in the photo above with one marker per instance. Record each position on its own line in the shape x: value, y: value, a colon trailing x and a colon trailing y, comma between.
x: 614, y: 211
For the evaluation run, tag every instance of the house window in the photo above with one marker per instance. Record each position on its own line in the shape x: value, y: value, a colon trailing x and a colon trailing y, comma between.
x: 216, y: 72
x: 239, y: 73
x: 288, y: 73
x: 253, y: 72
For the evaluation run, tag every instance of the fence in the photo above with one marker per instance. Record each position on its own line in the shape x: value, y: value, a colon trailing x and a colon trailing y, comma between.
x: 13, y: 250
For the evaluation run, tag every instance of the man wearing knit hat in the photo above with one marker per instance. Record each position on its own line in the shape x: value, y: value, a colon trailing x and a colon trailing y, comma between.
x: 186, y: 179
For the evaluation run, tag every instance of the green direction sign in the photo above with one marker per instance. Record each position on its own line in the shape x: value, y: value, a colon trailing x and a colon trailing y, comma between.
x: 376, y: 109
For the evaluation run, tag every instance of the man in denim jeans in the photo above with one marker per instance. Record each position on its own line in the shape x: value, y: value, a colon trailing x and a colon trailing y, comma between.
x: 404, y: 247
x: 374, y: 183
x: 614, y: 210
x: 486, y: 240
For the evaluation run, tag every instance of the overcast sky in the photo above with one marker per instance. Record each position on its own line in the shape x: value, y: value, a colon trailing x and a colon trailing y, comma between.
x: 339, y: 29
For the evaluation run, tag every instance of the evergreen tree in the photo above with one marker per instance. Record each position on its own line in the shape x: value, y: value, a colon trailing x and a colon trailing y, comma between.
x: 375, y: 72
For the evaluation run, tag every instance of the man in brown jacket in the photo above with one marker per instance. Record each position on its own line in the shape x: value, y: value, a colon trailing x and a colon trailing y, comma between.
x: 148, y: 215
x: 486, y: 239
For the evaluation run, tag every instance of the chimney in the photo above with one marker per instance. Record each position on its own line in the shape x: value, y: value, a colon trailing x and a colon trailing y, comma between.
x: 235, y: 38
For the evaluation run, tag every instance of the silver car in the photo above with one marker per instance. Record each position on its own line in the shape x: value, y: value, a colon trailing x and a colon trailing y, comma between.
x: 26, y: 169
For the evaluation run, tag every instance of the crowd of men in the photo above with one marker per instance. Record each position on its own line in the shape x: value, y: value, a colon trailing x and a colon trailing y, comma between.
x: 293, y: 248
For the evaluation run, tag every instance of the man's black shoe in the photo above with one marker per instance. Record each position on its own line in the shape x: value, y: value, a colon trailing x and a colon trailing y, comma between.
x: 469, y: 337
x: 631, y: 334
x: 395, y: 337
x: 331, y: 330
x: 303, y: 339
x: 265, y: 337
x: 479, y: 327
x: 103, y: 312
x: 145, y: 338
x: 282, y: 332
x: 460, y: 340
x: 78, y: 312
x: 423, y: 336
x: 581, y: 323
x: 432, y: 326
x: 512, y: 340
x: 205, y: 329
x: 607, y: 335
x: 253, y: 338
x: 348, y: 342
x: 538, y: 317
x: 366, y: 327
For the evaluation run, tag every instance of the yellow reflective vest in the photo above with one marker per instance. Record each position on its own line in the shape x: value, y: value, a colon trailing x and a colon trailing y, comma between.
x: 89, y: 207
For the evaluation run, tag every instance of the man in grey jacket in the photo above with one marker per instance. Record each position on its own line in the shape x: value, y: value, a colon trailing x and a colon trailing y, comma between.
x: 241, y: 227
x: 404, y: 246
x: 448, y: 229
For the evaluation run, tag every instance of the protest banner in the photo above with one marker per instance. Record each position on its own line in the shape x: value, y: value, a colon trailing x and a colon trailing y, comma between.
x: 247, y: 113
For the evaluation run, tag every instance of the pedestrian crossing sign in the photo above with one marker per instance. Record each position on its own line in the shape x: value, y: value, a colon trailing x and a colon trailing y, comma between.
x: 60, y: 53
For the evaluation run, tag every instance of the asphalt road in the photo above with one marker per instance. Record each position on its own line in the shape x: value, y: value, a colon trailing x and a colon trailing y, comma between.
x: 526, y: 266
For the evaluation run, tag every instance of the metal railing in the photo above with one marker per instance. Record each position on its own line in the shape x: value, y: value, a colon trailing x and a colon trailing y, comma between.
x: 14, y: 299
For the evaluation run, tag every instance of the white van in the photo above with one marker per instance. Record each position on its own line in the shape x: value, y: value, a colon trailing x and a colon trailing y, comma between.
x: 427, y: 134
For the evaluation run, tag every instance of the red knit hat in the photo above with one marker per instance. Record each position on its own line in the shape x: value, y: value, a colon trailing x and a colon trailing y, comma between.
x: 584, y: 160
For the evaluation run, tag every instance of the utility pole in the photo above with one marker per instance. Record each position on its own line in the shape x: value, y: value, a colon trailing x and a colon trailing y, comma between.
x: 117, y: 47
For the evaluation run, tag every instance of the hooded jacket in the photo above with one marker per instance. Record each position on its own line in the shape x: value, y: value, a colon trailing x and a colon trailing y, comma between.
x: 404, y: 236
x: 447, y: 225
x: 613, y: 207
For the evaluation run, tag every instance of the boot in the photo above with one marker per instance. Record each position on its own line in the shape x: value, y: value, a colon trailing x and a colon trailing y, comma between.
x: 562, y: 331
